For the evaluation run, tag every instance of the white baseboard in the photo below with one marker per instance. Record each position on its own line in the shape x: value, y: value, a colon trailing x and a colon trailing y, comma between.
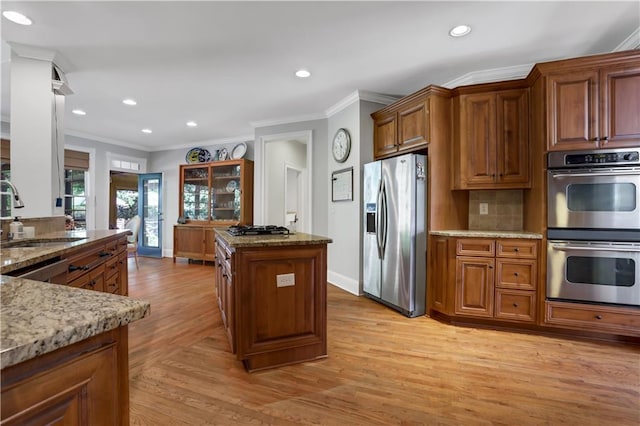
x: 343, y: 282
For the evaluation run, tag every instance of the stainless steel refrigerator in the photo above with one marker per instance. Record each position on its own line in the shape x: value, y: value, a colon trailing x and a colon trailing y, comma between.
x: 395, y: 227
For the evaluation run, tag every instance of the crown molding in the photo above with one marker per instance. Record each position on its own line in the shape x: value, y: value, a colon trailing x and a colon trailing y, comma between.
x: 32, y: 52
x: 360, y: 95
x: 494, y: 74
x: 629, y: 43
x: 278, y: 121
x: 110, y: 141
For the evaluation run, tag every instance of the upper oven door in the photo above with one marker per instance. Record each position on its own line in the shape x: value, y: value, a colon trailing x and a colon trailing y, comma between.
x: 594, y: 198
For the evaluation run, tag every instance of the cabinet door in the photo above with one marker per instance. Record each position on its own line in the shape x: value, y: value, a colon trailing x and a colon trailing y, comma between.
x: 572, y: 110
x: 512, y: 137
x: 474, y: 286
x: 228, y: 302
x: 620, y: 92
x: 477, y: 137
x: 384, y: 135
x: 188, y: 241
x: 194, y: 192
x: 439, y: 273
x: 413, y: 126
x: 209, y: 244
x: 123, y: 263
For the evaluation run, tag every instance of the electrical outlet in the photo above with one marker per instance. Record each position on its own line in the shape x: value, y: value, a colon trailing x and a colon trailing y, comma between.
x: 484, y: 208
x: 285, y: 280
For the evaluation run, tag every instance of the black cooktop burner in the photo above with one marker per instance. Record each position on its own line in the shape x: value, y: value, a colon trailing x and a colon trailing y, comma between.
x: 257, y: 230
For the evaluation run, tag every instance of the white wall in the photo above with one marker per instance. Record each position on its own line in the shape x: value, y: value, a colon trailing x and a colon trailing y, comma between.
x: 276, y: 155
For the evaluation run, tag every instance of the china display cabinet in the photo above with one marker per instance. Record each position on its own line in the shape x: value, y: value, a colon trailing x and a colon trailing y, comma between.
x: 215, y: 194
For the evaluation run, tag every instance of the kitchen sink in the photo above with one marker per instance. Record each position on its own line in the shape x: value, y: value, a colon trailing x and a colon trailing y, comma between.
x: 48, y: 242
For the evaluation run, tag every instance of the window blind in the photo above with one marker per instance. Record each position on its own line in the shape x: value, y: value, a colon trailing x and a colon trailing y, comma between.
x: 76, y: 160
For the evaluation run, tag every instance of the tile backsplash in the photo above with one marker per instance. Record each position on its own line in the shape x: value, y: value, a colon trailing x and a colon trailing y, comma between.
x: 504, y: 212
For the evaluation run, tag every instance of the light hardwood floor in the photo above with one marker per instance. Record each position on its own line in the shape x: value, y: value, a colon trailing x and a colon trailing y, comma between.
x: 382, y: 368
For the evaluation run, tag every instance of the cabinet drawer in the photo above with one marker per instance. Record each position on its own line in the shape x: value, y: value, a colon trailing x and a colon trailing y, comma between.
x: 515, y: 305
x: 517, y: 248
x: 475, y: 247
x: 516, y: 274
x: 624, y: 321
x: 92, y: 280
x: 112, y: 283
x: 111, y: 267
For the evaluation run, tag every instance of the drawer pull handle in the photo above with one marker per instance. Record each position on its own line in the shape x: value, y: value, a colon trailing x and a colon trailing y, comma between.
x: 515, y: 305
x: 515, y: 273
x: 599, y: 317
x: 516, y: 249
x: 77, y: 268
x: 104, y: 253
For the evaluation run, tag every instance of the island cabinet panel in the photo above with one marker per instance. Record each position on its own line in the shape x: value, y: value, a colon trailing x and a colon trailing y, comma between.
x: 280, y: 305
x: 82, y: 384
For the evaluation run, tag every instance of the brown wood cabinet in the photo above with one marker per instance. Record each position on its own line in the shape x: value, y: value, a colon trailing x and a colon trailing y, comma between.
x: 401, y: 127
x: 219, y: 193
x: 484, y: 278
x: 612, y: 319
x: 273, y: 301
x: 492, y: 145
x: 193, y: 242
x: 86, y: 383
x: 594, y: 107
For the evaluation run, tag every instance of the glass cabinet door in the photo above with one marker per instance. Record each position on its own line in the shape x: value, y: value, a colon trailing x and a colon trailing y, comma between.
x: 225, y: 192
x: 195, y: 193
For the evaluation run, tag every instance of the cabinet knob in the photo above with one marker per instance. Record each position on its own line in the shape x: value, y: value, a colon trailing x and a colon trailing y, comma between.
x: 490, y: 267
x: 516, y: 249
x: 605, y: 138
x: 515, y: 273
x: 599, y: 317
x: 515, y: 305
x: 596, y: 139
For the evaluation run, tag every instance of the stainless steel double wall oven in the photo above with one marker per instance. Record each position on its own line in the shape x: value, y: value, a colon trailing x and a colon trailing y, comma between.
x: 593, y: 252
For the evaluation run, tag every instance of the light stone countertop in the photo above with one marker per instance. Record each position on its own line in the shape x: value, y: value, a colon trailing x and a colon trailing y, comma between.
x: 37, y: 318
x: 14, y: 258
x: 488, y: 234
x: 295, y: 239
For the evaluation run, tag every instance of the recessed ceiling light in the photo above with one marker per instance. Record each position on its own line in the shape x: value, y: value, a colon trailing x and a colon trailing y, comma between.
x: 16, y: 17
x: 129, y: 102
x: 192, y: 124
x: 459, y: 31
x: 147, y: 131
x: 303, y: 73
x: 79, y: 112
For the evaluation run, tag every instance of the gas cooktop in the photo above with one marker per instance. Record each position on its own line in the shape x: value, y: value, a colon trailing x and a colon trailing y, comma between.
x: 257, y: 230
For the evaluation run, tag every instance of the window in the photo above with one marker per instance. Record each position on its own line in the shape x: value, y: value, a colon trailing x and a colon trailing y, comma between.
x: 75, y: 201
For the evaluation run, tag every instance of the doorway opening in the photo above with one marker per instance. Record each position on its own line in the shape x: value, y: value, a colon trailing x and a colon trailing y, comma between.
x: 285, y: 162
x: 123, y: 193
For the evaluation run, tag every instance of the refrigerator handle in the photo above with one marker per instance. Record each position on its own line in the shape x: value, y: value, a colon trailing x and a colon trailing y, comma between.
x: 378, y: 220
x: 383, y: 243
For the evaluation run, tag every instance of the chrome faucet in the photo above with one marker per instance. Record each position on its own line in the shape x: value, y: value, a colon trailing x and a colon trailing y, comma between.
x: 17, y: 201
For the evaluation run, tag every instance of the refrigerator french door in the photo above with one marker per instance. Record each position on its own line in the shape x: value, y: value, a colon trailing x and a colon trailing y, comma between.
x: 395, y: 240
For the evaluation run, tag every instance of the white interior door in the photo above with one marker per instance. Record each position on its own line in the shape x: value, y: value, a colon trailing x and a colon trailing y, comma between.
x: 294, y: 198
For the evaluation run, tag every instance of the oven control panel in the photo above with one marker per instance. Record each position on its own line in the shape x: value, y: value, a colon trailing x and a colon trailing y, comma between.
x: 610, y: 157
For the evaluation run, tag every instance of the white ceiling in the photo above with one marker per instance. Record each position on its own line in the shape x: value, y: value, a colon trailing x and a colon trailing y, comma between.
x: 228, y: 65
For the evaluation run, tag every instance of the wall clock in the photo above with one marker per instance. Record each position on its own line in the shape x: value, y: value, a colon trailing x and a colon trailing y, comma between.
x: 341, y: 145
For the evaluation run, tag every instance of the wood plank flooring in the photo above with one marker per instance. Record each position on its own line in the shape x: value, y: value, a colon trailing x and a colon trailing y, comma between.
x: 382, y: 368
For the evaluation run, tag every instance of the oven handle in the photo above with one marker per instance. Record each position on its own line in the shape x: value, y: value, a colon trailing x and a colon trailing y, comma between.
x: 603, y: 248
x: 592, y: 174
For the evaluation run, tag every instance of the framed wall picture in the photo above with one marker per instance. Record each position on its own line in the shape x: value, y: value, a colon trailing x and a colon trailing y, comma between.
x: 342, y: 185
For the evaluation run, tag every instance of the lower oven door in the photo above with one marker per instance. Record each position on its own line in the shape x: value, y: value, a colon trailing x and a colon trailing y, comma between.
x: 602, y: 272
x: 594, y: 198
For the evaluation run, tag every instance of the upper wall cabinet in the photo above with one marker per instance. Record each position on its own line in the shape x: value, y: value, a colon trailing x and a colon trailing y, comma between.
x: 401, y: 127
x: 491, y: 143
x: 594, y: 107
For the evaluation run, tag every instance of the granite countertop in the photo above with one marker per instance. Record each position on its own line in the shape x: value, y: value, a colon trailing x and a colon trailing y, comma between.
x: 488, y: 234
x: 37, y: 318
x: 59, y: 243
x: 295, y: 239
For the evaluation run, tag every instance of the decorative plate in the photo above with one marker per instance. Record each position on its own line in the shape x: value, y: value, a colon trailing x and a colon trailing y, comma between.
x: 239, y: 151
x: 224, y: 155
x: 198, y: 155
x: 232, y: 185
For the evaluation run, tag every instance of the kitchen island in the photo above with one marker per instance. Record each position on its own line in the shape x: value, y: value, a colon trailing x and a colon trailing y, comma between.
x: 64, y: 348
x: 272, y: 294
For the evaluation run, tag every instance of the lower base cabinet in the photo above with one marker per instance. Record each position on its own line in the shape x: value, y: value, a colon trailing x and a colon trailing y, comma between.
x: 273, y: 302
x: 86, y: 383
x: 193, y: 242
x: 593, y: 317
